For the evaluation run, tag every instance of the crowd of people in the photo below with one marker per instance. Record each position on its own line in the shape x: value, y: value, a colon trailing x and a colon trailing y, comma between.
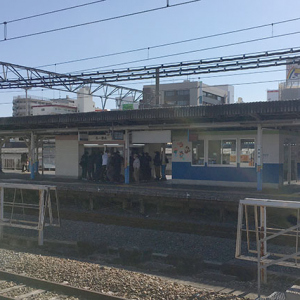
x: 107, y: 166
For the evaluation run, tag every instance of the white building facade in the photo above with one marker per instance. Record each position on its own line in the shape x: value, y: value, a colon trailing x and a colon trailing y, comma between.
x: 53, y: 109
x: 187, y: 93
x: 32, y: 106
x: 85, y: 101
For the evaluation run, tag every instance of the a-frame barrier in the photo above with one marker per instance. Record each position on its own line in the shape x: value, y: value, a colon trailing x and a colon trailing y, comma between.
x: 252, y: 220
x: 13, y: 207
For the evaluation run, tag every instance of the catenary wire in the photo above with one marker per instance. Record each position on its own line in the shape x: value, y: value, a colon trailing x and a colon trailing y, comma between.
x: 172, y: 43
x: 97, y: 21
x: 189, y: 52
x: 204, y: 63
x: 239, y: 73
x: 178, y: 80
x: 51, y: 12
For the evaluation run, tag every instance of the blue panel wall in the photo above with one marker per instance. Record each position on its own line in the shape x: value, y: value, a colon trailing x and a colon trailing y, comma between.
x: 272, y: 173
x: 184, y: 170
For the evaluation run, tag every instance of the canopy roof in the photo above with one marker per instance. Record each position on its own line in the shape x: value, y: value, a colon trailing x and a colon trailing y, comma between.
x: 276, y: 114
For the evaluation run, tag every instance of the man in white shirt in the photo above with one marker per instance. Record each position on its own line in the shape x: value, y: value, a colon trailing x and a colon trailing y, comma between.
x: 104, y: 165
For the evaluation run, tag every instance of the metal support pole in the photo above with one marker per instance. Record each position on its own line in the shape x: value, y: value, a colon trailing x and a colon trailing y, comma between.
x: 32, y: 156
x: 42, y: 158
x: 127, y: 158
x: 1, y: 144
x: 263, y: 244
x: 163, y: 162
x: 297, y: 236
x: 258, y: 251
x: 157, y: 87
x: 289, y: 173
x: 259, y: 158
x: 1, y: 210
x: 36, y: 163
x: 41, y: 216
x: 239, y: 231
x: 200, y: 93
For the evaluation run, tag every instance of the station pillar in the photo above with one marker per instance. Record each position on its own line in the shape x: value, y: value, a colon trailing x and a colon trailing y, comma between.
x: 127, y: 158
x: 36, y: 163
x: 163, y: 163
x: 32, y: 156
x: 1, y: 144
x: 259, y: 163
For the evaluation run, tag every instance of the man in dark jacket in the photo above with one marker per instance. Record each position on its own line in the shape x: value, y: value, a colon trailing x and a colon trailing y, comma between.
x: 157, y: 165
x: 83, y: 163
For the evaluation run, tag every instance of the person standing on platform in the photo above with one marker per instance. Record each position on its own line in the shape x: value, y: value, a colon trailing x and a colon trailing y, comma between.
x: 131, y: 178
x: 136, y: 168
x: 83, y: 163
x: 118, y: 160
x: 90, y: 167
x: 157, y: 165
x: 110, y: 171
x: 143, y: 167
x: 98, y: 163
x: 104, y: 166
x: 148, y: 167
x: 24, y: 159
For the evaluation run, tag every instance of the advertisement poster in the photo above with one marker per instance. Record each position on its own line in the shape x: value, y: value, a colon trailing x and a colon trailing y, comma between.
x: 181, y: 150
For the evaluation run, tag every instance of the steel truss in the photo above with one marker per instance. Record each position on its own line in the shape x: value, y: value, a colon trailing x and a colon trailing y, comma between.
x: 15, y: 76
x: 204, y: 66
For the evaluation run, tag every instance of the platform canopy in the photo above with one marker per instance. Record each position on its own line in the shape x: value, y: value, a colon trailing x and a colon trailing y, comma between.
x: 277, y: 114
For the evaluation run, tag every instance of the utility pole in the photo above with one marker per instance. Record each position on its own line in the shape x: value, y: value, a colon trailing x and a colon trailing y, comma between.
x: 157, y: 87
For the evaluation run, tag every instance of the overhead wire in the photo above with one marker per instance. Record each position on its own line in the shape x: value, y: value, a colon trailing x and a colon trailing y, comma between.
x: 98, y: 21
x: 219, y: 63
x: 223, y: 64
x: 172, y: 43
x: 51, y: 12
x: 189, y: 52
x: 209, y: 77
x: 203, y: 77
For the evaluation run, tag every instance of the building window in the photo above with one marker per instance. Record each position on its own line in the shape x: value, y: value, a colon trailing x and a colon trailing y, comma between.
x: 43, y: 109
x: 229, y: 152
x: 177, y: 98
x: 222, y: 152
x: 247, y: 153
x: 214, y: 152
x: 169, y: 93
x: 198, y: 153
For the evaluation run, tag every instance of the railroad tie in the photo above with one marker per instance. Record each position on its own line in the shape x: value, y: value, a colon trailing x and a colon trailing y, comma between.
x: 33, y: 293
x: 12, y: 288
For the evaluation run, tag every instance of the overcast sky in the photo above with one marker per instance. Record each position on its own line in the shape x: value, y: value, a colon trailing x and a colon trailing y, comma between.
x: 195, y: 20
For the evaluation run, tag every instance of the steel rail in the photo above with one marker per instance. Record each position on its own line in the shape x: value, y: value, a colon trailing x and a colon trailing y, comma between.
x: 54, y: 287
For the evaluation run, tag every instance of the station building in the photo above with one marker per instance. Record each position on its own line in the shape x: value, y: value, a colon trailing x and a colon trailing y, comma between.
x: 243, y: 145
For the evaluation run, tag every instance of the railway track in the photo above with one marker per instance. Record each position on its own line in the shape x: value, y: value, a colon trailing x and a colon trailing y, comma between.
x: 20, y: 287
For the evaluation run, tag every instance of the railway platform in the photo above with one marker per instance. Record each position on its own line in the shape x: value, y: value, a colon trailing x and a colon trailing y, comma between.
x: 158, y: 193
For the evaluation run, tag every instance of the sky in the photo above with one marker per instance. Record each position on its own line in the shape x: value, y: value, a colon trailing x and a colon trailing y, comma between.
x: 147, y: 31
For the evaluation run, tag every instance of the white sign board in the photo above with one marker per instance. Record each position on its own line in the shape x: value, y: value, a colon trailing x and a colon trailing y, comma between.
x: 151, y: 137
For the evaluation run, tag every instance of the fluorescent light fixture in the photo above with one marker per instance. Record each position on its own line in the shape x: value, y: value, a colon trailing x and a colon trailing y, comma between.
x: 91, y: 145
